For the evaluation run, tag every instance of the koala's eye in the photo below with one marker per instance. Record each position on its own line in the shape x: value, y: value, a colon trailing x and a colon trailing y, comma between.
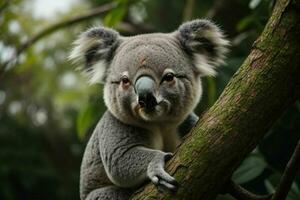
x: 168, y: 77
x: 125, y: 80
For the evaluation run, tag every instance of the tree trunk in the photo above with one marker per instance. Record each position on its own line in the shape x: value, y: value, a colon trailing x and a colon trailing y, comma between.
x: 266, y: 84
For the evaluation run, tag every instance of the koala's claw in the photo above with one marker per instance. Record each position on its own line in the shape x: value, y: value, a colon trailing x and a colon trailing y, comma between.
x: 159, y: 177
x: 163, y: 178
x: 164, y: 186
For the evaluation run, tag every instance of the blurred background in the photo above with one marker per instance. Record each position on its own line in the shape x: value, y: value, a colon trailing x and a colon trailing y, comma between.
x: 48, y: 111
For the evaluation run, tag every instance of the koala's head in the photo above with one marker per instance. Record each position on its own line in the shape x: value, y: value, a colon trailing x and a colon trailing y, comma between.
x: 152, y: 78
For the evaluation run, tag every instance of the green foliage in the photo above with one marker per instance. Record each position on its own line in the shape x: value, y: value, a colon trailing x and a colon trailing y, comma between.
x: 47, y: 110
x: 86, y: 119
x: 116, y: 15
x: 250, y: 169
x: 273, y: 181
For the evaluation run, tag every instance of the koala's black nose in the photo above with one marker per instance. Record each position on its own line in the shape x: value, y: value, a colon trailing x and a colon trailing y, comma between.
x: 145, y: 88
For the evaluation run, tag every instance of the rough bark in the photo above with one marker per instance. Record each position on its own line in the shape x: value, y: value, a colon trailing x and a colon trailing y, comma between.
x: 265, y: 85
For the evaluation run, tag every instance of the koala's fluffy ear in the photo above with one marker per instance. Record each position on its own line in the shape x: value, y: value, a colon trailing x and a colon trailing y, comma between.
x: 205, y: 42
x: 94, y: 49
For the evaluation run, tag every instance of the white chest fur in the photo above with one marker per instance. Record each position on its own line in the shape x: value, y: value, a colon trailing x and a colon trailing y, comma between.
x: 165, y: 139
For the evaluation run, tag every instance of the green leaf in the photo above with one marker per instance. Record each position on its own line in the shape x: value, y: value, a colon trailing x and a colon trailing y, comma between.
x: 244, y: 23
x: 251, y: 168
x: 254, y: 3
x: 272, y: 183
x: 269, y: 186
x: 86, y: 118
x: 294, y: 193
x: 116, y: 15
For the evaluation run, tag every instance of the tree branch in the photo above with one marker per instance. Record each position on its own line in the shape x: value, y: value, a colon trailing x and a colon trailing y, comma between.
x: 261, y: 90
x: 62, y: 24
x: 289, y: 174
x: 128, y: 28
x: 57, y: 26
x: 240, y: 193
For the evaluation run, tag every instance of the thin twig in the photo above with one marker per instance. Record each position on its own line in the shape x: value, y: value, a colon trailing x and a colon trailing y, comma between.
x: 62, y: 24
x: 128, y: 28
x: 289, y: 175
x: 92, y: 13
x: 240, y: 193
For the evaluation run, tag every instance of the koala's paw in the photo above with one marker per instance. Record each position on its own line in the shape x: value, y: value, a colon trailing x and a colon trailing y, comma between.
x: 159, y: 177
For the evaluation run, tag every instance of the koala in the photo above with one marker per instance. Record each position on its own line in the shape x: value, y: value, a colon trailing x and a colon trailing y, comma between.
x: 151, y: 86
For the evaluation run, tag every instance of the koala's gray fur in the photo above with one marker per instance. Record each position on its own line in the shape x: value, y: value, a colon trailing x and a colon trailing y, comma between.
x: 151, y: 86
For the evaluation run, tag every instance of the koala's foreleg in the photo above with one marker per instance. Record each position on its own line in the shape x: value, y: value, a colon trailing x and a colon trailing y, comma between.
x: 109, y: 193
x: 157, y: 174
x: 127, y: 157
x: 137, y: 164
